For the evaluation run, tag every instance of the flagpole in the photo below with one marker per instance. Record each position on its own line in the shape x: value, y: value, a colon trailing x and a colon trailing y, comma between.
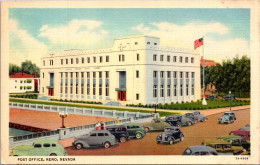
x: 204, y: 102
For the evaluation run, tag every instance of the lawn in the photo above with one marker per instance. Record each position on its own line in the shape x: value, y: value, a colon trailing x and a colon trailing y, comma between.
x: 88, y: 106
x: 211, y: 104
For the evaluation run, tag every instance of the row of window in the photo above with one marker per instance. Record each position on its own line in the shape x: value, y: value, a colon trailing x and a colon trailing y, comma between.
x: 24, y: 81
x: 121, y: 58
x: 174, y: 58
x: 168, y: 73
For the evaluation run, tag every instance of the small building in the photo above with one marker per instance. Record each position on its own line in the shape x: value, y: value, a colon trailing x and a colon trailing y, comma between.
x: 208, y: 63
x: 23, y: 82
x: 135, y: 70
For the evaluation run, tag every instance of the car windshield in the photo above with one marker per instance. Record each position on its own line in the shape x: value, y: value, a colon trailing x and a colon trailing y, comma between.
x: 196, y: 113
x: 226, y: 117
x: 167, y: 129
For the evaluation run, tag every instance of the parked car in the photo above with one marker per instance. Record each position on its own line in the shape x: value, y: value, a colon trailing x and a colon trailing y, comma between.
x: 94, y: 139
x: 222, y: 146
x: 236, y: 141
x: 230, y: 113
x: 192, y: 117
x: 156, y: 125
x: 244, y: 134
x: 119, y: 131
x: 229, y: 96
x: 179, y: 120
x: 245, y: 128
x: 212, y: 97
x: 170, y: 135
x: 43, y: 147
x: 200, y: 116
x: 135, y: 130
x: 199, y: 150
x: 226, y: 119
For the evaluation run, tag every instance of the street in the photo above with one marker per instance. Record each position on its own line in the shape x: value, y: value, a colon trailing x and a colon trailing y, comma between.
x: 194, y: 135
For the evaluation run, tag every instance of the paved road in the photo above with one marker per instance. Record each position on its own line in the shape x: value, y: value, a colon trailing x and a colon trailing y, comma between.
x: 194, y: 135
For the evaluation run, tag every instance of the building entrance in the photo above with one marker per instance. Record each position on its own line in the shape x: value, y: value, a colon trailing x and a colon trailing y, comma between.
x: 50, y: 92
x: 121, y: 95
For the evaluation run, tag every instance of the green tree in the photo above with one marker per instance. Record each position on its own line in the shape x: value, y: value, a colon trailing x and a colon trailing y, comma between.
x: 27, y: 66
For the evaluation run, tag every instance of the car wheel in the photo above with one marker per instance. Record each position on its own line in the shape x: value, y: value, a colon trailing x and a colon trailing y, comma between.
x: 171, y: 142
x: 138, y: 136
x: 122, y: 139
x: 195, y: 121
x: 178, y: 125
x: 189, y: 123
x: 79, y: 146
x: 157, y: 141
x: 53, y: 154
x: 219, y: 122
x: 146, y: 129
x: 203, y: 119
x: 107, y: 145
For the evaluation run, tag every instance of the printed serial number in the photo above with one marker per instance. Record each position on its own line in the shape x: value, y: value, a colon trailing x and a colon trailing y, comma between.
x: 241, y: 158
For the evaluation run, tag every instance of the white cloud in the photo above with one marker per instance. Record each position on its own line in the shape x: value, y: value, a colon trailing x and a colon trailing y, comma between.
x: 23, y: 46
x: 183, y: 36
x: 75, y: 34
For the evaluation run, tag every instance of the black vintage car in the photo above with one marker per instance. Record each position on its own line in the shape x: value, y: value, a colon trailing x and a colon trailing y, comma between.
x: 170, y: 135
x: 179, y: 120
x: 119, y: 131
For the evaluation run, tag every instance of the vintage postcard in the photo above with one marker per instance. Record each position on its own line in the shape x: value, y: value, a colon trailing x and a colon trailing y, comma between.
x: 130, y: 82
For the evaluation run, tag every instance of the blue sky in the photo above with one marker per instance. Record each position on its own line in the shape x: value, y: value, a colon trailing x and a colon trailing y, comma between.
x: 33, y: 32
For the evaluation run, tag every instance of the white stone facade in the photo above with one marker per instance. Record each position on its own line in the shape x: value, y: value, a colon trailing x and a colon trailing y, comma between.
x: 125, y: 73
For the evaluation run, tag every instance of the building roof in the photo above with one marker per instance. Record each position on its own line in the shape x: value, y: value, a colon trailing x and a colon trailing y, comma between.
x: 23, y: 75
x: 205, y: 62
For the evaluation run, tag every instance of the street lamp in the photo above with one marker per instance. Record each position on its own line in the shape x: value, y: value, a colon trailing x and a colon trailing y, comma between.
x: 229, y: 100
x: 63, y: 115
x: 155, y: 106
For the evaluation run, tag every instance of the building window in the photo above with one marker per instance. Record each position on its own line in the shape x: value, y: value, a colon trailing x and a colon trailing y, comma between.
x: 187, y: 89
x: 100, y: 89
x: 192, y: 60
x: 42, y: 89
x: 181, y: 90
x: 77, y: 88
x: 77, y: 60
x: 136, y: 43
x: 168, y: 58
x: 155, y: 43
x: 137, y: 56
x: 100, y: 74
x: 180, y: 59
x: 77, y: 74
x: 162, y: 91
x: 42, y: 75
x: 137, y: 96
x: 94, y: 59
x: 107, y: 74
x: 88, y: 89
x: 174, y: 58
x: 88, y: 59
x: 61, y: 61
x: 161, y: 57
x: 161, y: 74
x: 67, y: 61
x: 119, y: 57
x: 82, y: 60
x: 51, y: 62
x: 107, y: 58
x: 43, y: 63
x: 88, y: 74
x: 123, y: 57
x: 71, y: 61
x: 148, y: 43
x: 100, y: 59
x: 155, y: 91
x: 154, y: 57
x: 168, y: 90
x: 175, y: 89
x: 181, y: 75
x: 71, y: 89
x: 186, y: 59
x: 174, y: 74
x: 107, y: 90
x: 137, y: 74
x: 168, y: 74
x: 154, y: 74
x: 192, y: 74
x: 94, y: 89
x: 94, y: 74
